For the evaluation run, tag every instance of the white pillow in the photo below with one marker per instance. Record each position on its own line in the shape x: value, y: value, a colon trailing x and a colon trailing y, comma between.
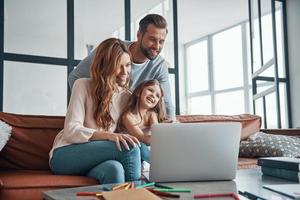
x: 5, y: 132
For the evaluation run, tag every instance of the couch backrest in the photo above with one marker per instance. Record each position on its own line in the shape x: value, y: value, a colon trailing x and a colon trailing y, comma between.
x: 30, y: 142
x: 250, y: 123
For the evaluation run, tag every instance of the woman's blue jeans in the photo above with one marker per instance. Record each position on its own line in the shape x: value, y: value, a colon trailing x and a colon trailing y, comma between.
x: 145, y: 152
x: 98, y: 159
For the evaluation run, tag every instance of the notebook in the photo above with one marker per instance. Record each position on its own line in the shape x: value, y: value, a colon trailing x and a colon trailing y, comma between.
x: 194, y: 151
x: 290, y: 190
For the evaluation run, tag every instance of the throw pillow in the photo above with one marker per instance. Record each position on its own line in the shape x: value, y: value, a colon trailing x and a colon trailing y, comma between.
x: 268, y: 145
x: 5, y: 132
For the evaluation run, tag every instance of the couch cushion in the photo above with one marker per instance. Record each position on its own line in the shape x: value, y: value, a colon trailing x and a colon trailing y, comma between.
x: 29, y: 184
x: 250, y: 123
x: 247, y: 163
x: 40, y: 179
x: 31, y: 140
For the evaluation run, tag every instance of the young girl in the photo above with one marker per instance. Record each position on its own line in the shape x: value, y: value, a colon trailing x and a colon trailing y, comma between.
x: 144, y: 108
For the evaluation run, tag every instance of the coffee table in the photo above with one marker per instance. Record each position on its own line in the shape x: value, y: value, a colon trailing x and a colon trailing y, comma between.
x: 250, y: 180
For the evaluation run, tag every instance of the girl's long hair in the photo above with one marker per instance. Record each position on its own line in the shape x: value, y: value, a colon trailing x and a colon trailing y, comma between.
x: 103, y: 78
x: 134, y: 102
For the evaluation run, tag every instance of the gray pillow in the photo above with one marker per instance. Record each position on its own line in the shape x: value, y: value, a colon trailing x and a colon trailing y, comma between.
x: 268, y: 145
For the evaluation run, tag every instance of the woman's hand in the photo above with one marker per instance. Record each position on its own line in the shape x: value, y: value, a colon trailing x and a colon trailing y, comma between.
x: 124, y: 139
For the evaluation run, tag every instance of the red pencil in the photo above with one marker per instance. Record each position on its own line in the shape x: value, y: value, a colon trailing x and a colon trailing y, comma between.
x: 235, y: 196
x: 199, y: 196
x: 163, y: 194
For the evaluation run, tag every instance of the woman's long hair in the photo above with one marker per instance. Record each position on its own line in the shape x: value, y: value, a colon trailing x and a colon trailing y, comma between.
x: 103, y: 75
x: 134, y: 102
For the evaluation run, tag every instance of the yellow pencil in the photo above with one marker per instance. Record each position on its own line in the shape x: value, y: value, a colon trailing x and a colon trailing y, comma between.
x: 119, y: 186
x: 127, y: 186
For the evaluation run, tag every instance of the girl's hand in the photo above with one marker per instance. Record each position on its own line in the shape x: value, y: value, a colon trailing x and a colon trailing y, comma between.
x: 124, y: 139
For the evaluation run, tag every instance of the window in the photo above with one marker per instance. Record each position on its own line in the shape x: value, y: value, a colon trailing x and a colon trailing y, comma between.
x: 197, y: 60
x: 215, y: 73
x: 270, y: 81
x: 32, y: 88
x: 219, y: 72
x: 92, y: 25
x: 228, y: 59
x: 28, y: 29
x: 46, y: 49
x: 40, y: 51
x: 35, y: 51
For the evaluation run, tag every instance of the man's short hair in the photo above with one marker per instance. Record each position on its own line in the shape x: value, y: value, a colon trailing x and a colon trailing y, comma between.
x: 155, y: 19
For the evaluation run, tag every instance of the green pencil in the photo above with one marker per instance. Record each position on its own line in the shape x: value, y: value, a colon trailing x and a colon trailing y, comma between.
x: 145, y: 185
x: 172, y: 190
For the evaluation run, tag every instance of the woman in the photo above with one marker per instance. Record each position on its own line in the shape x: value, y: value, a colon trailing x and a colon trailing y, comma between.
x: 88, y: 144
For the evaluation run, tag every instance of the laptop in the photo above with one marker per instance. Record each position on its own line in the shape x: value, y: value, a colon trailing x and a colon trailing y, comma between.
x: 194, y: 151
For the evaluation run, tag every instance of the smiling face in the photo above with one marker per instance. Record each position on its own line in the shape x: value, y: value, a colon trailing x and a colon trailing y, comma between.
x: 124, y: 69
x: 152, y: 41
x: 150, y: 96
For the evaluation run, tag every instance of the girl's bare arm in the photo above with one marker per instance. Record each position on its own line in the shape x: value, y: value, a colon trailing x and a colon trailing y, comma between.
x: 134, y: 130
x: 153, y: 118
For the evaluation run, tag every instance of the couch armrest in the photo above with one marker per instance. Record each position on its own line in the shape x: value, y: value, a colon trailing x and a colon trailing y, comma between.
x: 291, y: 132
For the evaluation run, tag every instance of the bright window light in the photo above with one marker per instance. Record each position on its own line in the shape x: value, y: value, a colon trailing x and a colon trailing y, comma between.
x: 197, y: 67
x: 228, y: 59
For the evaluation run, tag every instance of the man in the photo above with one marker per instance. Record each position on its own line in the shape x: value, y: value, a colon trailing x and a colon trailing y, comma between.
x: 147, y: 63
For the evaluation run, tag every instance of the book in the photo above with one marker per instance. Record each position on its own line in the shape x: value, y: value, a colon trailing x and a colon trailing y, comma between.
x: 290, y: 190
x: 281, y: 173
x: 280, y: 162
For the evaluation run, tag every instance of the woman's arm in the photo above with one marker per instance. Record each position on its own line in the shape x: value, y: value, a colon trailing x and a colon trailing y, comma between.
x: 74, y: 129
x: 134, y: 130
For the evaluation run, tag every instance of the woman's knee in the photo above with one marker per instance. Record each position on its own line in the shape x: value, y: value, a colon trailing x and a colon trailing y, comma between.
x: 133, y: 155
x: 115, y: 171
x: 134, y: 152
x: 110, y: 171
x: 131, y: 161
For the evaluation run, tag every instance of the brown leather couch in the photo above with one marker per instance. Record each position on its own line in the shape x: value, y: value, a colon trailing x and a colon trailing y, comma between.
x: 24, y: 169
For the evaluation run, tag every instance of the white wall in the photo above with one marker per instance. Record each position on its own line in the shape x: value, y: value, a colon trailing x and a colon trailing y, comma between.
x: 293, y: 23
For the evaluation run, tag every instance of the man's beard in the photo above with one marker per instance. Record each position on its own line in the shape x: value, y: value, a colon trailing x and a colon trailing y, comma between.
x: 146, y: 52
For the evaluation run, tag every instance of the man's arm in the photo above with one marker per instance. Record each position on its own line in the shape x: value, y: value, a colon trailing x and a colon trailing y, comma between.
x: 82, y: 70
x: 164, y: 81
